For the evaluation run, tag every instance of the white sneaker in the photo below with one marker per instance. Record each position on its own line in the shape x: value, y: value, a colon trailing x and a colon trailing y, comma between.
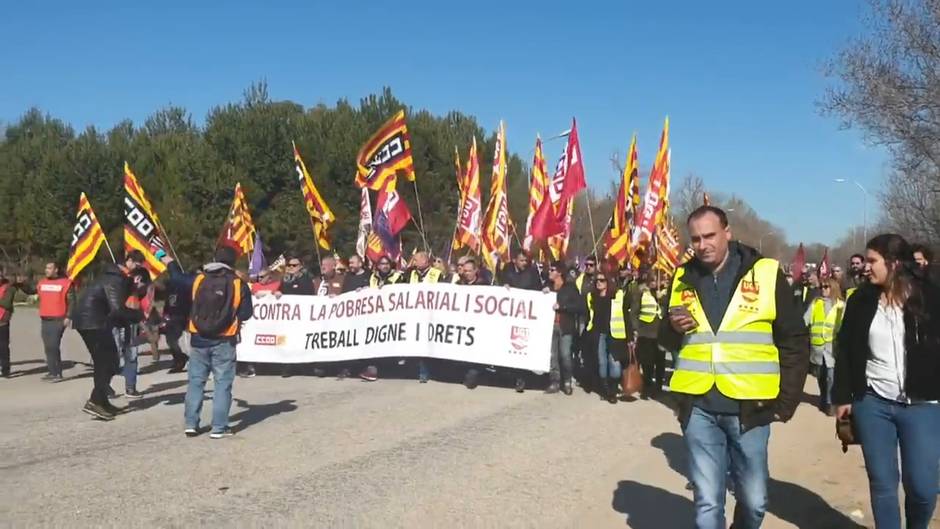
x: 222, y: 435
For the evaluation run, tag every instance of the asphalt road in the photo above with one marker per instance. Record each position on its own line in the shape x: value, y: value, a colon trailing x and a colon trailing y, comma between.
x: 317, y: 452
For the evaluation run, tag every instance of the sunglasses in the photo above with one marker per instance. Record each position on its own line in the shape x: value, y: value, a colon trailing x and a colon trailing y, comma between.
x: 826, y: 287
x: 293, y: 264
x: 590, y: 264
x: 601, y: 281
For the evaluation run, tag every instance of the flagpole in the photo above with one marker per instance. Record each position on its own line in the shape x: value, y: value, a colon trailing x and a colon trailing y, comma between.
x: 168, y: 242
x: 587, y: 197
x: 420, y: 216
x: 113, y: 260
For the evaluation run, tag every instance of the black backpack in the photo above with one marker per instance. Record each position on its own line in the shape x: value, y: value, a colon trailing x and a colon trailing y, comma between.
x: 214, y: 309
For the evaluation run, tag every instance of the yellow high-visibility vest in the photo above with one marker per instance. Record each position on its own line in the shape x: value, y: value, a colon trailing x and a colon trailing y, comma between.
x: 433, y: 275
x: 392, y: 278
x: 649, y: 308
x: 741, y: 358
x: 849, y: 292
x: 618, y: 326
x: 824, y: 326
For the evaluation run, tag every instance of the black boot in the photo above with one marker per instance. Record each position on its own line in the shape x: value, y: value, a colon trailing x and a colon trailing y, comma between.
x: 612, y: 385
x: 602, y: 389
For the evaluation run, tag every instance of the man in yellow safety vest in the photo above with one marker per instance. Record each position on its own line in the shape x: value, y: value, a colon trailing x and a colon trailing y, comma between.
x: 742, y: 362
x: 645, y: 316
x: 423, y: 272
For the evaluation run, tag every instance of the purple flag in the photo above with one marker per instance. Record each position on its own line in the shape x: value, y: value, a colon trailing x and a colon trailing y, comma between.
x: 257, y: 262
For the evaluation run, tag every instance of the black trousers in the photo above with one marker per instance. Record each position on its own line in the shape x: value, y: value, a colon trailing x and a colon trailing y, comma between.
x: 103, y: 350
x: 653, y: 362
x: 5, y: 349
x: 173, y: 332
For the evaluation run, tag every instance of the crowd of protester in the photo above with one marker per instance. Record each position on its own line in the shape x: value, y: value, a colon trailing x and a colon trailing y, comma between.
x: 741, y: 331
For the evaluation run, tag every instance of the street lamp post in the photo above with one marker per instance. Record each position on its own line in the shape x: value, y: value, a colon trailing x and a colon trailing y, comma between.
x: 760, y: 241
x: 864, y: 206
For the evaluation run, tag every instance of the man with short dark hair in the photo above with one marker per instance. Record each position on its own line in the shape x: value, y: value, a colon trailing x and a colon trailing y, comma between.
x: 520, y: 274
x: 569, y: 305
x: 356, y: 277
x: 585, y: 280
x: 101, y: 307
x: 742, y: 363
x: 296, y: 280
x: 856, y: 275
x: 384, y: 274
x: 470, y: 275
x: 213, y: 342
x: 55, y: 294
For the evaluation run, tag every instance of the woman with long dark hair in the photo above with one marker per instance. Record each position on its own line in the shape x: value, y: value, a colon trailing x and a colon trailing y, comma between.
x: 887, y: 379
x: 606, y: 327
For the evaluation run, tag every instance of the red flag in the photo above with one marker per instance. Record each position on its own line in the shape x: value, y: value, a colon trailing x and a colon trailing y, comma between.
x: 550, y: 218
x: 574, y: 170
x: 824, y: 269
x: 393, y: 207
x: 799, y: 261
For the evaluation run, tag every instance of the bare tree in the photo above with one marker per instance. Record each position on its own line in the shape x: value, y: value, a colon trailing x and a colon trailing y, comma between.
x: 888, y: 84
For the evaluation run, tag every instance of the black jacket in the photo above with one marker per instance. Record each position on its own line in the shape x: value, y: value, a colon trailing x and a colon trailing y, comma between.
x: 101, y: 305
x: 921, y: 343
x: 179, y: 295
x: 527, y: 279
x: 301, y: 285
x: 570, y: 306
x: 790, y: 337
x: 353, y: 282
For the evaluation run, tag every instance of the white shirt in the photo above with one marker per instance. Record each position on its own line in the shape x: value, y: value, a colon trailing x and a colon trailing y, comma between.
x: 886, y: 367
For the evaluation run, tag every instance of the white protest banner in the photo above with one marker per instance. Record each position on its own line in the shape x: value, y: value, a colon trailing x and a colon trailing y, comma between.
x: 481, y: 324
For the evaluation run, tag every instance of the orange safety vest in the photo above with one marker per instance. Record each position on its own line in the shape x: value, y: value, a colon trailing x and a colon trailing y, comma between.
x: 53, y: 297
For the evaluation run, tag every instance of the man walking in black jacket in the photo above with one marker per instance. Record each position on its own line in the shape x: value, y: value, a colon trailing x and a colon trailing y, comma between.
x: 520, y: 274
x: 569, y: 305
x: 742, y: 362
x: 100, y: 308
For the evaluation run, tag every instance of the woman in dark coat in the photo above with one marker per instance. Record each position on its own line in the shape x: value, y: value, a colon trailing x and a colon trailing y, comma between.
x: 887, y: 379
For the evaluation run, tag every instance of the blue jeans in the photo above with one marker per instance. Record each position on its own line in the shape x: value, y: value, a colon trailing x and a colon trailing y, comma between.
x: 123, y: 338
x: 560, y: 370
x: 713, y: 440
x: 882, y: 427
x: 607, y: 366
x: 825, y: 376
x: 220, y: 360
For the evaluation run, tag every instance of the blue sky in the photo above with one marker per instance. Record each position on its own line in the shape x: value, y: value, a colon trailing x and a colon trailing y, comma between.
x: 739, y: 80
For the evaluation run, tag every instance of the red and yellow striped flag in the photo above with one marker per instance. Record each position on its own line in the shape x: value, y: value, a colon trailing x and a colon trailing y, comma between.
x: 468, y: 223
x: 239, y: 229
x: 657, y: 190
x: 538, y: 191
x: 87, y: 238
x: 628, y: 200
x: 669, y: 253
x: 142, y: 229
x: 387, y: 152
x: 558, y: 244
x: 496, y: 223
x: 321, y: 217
